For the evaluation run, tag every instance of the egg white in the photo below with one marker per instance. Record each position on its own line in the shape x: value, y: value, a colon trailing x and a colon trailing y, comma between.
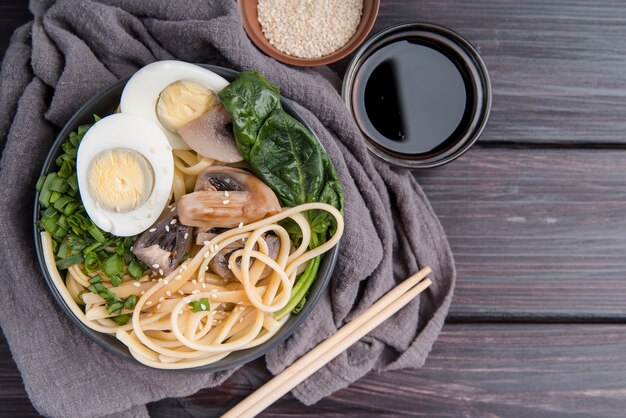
x: 125, y: 131
x: 142, y: 91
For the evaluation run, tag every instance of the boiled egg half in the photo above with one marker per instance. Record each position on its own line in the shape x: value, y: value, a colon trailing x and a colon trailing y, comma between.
x: 125, y: 171
x: 171, y: 94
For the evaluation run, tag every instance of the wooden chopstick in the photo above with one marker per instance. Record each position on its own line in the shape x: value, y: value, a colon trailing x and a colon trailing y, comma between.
x: 349, y: 334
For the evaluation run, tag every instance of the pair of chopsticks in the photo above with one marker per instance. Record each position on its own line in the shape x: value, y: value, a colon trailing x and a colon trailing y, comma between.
x: 330, y: 348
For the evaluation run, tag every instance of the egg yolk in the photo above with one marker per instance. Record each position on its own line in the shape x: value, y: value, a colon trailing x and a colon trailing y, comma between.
x: 120, y: 180
x: 183, y: 101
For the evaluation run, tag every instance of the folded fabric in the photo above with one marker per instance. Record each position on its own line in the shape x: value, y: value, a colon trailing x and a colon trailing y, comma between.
x: 75, y: 48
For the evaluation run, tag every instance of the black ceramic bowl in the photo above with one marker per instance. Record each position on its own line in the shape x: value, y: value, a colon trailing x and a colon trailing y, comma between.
x: 464, y: 58
x: 104, y: 104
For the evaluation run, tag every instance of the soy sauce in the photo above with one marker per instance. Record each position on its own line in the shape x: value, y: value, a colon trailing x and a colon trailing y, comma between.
x: 412, y: 99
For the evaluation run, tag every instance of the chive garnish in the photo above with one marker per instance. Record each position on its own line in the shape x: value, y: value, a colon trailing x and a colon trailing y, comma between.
x: 200, y: 305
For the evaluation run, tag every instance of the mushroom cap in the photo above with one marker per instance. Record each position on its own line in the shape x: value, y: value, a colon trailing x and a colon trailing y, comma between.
x: 225, y: 197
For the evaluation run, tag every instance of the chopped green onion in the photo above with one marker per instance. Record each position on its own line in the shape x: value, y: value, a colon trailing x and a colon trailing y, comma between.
x: 96, y: 233
x: 66, y: 170
x: 135, y: 269
x: 115, y: 307
x: 92, y: 262
x: 80, y: 295
x: 200, y: 305
x: 72, y: 181
x: 96, y: 279
x: 59, y: 184
x: 40, y: 183
x: 121, y: 319
x: 63, y: 249
x: 55, y: 196
x: 113, y: 265
x: 46, y: 193
x: 71, y: 207
x: 130, y: 302
x: 91, y: 248
x: 69, y: 261
x: 116, y: 280
x: 119, y: 247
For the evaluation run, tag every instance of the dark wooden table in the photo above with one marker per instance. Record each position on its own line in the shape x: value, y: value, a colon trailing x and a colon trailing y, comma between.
x: 535, y: 214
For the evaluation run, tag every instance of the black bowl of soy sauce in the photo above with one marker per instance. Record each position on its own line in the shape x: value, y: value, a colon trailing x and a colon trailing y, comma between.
x: 419, y: 93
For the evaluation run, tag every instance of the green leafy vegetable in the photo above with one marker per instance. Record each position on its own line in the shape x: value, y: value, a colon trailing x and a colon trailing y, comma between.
x: 200, y: 305
x: 289, y: 159
x: 250, y: 100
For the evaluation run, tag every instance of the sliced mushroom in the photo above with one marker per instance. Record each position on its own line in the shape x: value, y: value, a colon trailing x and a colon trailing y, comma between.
x: 225, y: 197
x: 163, y: 245
x: 219, y: 263
x: 203, y: 235
x: 211, y: 135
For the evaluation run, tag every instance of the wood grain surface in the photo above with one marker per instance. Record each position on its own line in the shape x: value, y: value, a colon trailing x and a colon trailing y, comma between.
x: 536, y: 217
x: 478, y: 370
x: 536, y: 233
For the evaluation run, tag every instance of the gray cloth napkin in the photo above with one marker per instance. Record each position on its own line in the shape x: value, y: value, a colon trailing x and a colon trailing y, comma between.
x: 75, y: 48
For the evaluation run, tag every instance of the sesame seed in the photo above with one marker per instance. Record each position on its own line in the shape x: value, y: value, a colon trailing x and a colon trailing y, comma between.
x: 161, y: 272
x: 226, y: 202
x: 181, y: 292
x: 143, y: 292
x: 158, y: 306
x: 165, y: 281
x: 206, y: 242
x: 136, y: 284
x: 160, y: 279
x: 194, y: 281
x: 184, y: 267
x: 149, y: 315
x: 148, y: 303
x: 225, y: 193
x: 161, y: 299
x: 152, y: 230
x: 168, y: 293
x: 172, y: 209
x: 173, y: 221
x: 309, y: 32
x: 156, y: 266
x: 178, y: 277
x: 203, y: 306
x: 186, y: 235
x: 240, y: 225
x: 207, y: 254
x: 167, y: 228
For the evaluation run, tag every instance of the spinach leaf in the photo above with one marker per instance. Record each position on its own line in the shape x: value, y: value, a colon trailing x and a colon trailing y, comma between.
x: 250, y: 100
x: 288, y: 158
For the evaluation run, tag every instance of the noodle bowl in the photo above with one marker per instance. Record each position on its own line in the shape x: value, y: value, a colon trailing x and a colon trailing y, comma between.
x: 192, y: 316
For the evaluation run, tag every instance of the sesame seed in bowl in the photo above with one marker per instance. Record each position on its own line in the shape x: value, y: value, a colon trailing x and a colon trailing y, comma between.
x: 308, y: 32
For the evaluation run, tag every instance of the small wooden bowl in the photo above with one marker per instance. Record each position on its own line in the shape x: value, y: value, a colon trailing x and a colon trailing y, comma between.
x: 251, y: 25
